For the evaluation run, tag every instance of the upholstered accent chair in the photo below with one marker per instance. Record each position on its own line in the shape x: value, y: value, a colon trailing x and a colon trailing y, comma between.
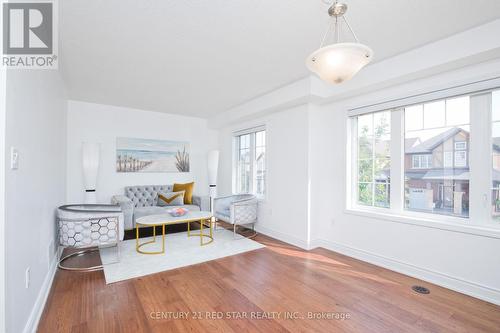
x: 237, y: 210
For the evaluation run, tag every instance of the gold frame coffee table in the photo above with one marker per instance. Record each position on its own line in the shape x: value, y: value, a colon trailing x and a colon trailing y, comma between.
x: 166, y: 219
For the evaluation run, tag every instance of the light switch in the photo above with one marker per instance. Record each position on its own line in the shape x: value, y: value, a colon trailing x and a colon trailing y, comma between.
x: 14, y: 158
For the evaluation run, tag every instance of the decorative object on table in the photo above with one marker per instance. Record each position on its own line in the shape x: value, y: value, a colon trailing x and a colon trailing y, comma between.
x: 188, y: 189
x: 166, y: 219
x: 139, y: 201
x: 338, y: 62
x: 240, y: 209
x: 180, y: 252
x: 170, y: 198
x: 213, y: 166
x: 86, y: 227
x: 90, y: 164
x: 147, y: 155
x: 176, y: 212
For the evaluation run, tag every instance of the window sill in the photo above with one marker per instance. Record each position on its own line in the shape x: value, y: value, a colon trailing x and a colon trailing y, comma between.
x: 455, y: 224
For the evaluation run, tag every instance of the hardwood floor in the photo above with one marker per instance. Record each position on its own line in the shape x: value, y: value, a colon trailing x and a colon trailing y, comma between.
x: 279, y: 279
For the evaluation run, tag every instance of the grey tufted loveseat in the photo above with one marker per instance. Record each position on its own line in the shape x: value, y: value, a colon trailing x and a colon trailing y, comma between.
x: 141, y: 201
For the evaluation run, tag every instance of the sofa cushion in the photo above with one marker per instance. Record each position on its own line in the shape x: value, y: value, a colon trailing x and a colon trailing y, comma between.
x: 146, y: 211
x: 146, y: 195
x: 191, y: 208
x: 223, y: 215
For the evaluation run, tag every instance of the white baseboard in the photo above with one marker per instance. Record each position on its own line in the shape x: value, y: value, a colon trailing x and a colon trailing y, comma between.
x: 485, y: 293
x: 283, y: 237
x: 36, y: 312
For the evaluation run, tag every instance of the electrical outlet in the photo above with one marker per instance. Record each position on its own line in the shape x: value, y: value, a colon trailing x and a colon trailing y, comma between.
x: 14, y: 158
x: 27, y: 278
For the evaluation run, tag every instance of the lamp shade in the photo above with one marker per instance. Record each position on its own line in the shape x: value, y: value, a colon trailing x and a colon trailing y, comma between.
x: 90, y: 164
x: 213, y: 166
x: 339, y: 62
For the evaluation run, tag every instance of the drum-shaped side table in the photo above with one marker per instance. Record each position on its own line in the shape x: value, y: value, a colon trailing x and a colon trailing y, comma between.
x: 89, y: 227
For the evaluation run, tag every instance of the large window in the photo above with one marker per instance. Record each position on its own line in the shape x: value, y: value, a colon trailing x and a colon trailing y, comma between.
x: 436, y: 170
x: 437, y: 160
x: 250, y: 162
x: 373, y: 159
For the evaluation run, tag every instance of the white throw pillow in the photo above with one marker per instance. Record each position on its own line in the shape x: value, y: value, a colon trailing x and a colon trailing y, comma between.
x: 170, y: 198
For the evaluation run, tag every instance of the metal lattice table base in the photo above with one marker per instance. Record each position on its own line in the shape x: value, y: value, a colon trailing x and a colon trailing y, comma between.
x: 88, y: 228
x: 82, y: 253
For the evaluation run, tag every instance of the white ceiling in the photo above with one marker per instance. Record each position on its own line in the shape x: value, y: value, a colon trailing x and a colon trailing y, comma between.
x: 200, y: 57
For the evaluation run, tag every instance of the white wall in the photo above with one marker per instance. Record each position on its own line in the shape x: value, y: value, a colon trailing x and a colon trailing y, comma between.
x: 3, y: 88
x: 283, y: 212
x: 457, y: 259
x: 104, y: 123
x: 36, y: 125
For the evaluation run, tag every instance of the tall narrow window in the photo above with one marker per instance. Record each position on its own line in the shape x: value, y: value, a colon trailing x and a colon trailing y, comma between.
x: 243, y: 168
x: 250, y: 162
x: 260, y: 163
x: 373, y: 159
x: 436, y: 157
x: 495, y: 133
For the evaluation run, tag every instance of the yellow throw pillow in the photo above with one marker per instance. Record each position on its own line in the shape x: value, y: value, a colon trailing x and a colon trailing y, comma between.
x: 188, y: 192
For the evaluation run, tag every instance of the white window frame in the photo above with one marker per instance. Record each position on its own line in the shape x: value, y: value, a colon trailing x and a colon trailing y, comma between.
x: 458, y: 143
x: 415, y: 161
x: 480, y: 221
x: 253, y: 162
x: 463, y: 163
x: 421, y: 158
x: 447, y: 159
x: 354, y: 175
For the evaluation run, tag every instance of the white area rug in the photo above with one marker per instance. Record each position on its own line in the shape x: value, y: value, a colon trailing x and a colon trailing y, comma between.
x: 180, y: 251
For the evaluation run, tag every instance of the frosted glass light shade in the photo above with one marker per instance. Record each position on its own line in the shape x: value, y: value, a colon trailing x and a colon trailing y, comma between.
x: 90, y: 164
x: 339, y: 62
x: 213, y: 166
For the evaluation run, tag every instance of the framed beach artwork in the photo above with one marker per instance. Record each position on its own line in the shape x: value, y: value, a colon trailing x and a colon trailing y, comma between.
x: 146, y: 155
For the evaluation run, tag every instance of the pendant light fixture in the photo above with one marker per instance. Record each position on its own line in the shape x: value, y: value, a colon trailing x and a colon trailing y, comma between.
x: 338, y: 62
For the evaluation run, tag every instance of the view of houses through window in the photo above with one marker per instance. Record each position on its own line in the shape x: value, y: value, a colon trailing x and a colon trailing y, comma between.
x: 435, y: 145
x: 250, y: 168
x: 436, y: 168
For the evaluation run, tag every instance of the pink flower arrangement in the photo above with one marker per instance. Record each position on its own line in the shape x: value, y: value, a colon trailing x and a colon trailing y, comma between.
x: 178, y: 212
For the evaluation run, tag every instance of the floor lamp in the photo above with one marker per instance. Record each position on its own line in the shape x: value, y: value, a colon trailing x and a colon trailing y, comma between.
x: 90, y: 164
x: 213, y: 166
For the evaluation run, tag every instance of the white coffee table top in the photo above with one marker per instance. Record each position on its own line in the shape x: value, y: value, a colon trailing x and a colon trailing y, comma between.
x: 161, y: 219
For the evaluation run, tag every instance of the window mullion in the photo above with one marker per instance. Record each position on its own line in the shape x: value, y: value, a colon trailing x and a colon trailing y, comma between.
x: 397, y: 161
x: 480, y: 158
x: 354, y: 162
x: 373, y: 160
